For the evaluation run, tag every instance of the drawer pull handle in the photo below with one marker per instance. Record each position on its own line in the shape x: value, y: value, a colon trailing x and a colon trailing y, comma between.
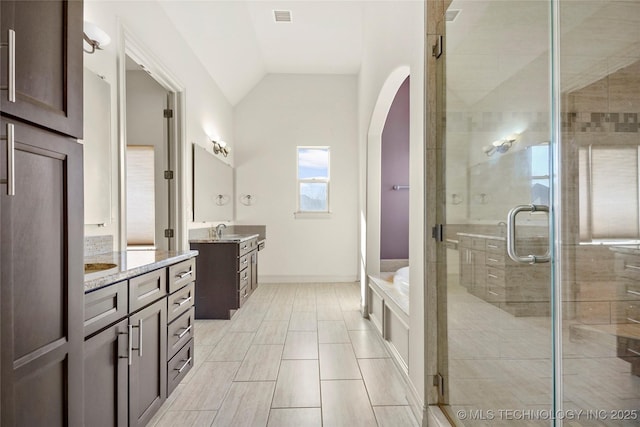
x: 245, y: 293
x: 493, y: 293
x: 492, y: 246
x: 245, y: 262
x: 184, y: 274
x: 11, y: 84
x: 632, y: 267
x: 633, y: 292
x: 182, y: 368
x: 637, y: 353
x: 128, y: 356
x: 492, y: 259
x: 183, y: 302
x: 183, y: 333
x: 633, y: 320
x: 493, y: 276
x: 11, y: 162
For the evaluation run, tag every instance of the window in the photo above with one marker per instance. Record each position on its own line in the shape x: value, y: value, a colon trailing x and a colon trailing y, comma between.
x: 141, y: 222
x: 540, y: 174
x: 609, y: 202
x: 313, y: 179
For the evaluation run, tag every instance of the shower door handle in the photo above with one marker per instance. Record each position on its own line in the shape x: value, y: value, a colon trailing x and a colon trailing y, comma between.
x: 511, y: 235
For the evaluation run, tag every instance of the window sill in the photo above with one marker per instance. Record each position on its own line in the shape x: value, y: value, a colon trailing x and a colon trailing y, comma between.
x: 312, y: 215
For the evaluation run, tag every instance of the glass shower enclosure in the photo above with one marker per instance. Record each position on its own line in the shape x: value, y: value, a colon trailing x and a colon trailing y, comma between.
x: 542, y: 213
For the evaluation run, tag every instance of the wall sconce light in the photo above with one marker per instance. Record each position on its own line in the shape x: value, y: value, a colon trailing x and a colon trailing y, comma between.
x: 500, y: 146
x: 95, y: 37
x: 220, y: 148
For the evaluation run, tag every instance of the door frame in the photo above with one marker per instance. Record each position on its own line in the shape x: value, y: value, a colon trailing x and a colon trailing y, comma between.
x: 130, y: 45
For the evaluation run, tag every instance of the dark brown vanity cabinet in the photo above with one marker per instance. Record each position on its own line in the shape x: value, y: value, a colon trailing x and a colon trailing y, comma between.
x: 41, y: 76
x: 138, y: 345
x: 227, y: 275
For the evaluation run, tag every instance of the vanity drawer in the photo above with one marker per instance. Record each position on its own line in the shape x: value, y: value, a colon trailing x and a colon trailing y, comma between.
x: 495, y: 246
x: 104, y: 307
x: 182, y: 273
x: 626, y: 312
x: 247, y: 246
x: 631, y: 290
x: 179, y: 332
x: 629, y: 349
x: 495, y: 293
x: 628, y: 266
x: 243, y: 262
x: 147, y: 288
x: 495, y: 277
x: 495, y: 260
x: 180, y: 301
x: 243, y: 295
x: 242, y: 276
x: 179, y: 366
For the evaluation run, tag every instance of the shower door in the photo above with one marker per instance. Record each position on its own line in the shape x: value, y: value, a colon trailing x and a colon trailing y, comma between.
x: 541, y: 272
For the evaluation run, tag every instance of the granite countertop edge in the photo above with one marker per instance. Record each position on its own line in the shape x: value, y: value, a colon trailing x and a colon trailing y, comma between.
x: 122, y: 271
x: 244, y: 238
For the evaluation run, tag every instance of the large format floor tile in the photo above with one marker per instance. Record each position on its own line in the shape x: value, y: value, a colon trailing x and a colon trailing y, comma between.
x: 294, y: 355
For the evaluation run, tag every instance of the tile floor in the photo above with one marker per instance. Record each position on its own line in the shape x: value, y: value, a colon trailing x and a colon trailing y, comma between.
x: 294, y: 355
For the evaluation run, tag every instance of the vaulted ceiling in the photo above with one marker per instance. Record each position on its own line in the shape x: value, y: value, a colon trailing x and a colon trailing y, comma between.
x: 239, y: 41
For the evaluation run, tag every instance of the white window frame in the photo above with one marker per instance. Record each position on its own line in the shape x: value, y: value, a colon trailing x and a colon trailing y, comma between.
x: 313, y: 214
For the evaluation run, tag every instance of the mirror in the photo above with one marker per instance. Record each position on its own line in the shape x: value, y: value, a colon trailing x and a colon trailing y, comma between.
x: 212, y: 187
x: 97, y: 149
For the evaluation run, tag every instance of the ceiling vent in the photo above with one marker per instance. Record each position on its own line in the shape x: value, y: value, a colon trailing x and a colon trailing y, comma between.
x: 282, y: 15
x: 451, y: 15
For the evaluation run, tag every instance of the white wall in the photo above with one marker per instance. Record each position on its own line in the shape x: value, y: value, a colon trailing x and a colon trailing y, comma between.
x: 394, y: 37
x: 208, y: 113
x: 280, y: 113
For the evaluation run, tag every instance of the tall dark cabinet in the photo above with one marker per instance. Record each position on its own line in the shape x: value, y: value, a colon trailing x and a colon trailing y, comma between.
x: 41, y: 214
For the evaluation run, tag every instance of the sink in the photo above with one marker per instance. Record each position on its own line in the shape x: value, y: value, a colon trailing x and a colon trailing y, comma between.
x: 94, y: 267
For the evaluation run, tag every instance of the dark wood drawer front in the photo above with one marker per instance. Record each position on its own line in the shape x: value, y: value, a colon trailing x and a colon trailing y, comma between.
x: 629, y: 349
x: 478, y: 243
x: 179, y: 332
x: 626, y: 312
x: 495, y: 246
x: 464, y: 241
x: 243, y: 262
x: 182, y: 273
x: 104, y: 307
x: 179, y: 366
x: 242, y: 276
x: 247, y: 246
x: 145, y: 289
x: 495, y: 293
x: 243, y: 295
x: 629, y: 267
x: 495, y: 277
x: 181, y: 301
x: 495, y: 260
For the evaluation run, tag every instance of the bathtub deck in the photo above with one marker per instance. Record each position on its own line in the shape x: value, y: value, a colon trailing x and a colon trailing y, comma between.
x: 384, y: 283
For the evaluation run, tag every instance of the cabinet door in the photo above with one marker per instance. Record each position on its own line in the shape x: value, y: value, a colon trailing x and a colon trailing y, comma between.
x: 41, y: 241
x: 148, y: 370
x: 106, y: 383
x: 254, y: 270
x: 47, y: 61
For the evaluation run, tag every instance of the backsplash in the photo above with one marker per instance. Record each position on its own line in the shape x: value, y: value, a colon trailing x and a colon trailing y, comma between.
x: 95, y: 245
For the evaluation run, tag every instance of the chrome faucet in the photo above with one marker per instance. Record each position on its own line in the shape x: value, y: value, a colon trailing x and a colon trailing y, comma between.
x: 219, y: 230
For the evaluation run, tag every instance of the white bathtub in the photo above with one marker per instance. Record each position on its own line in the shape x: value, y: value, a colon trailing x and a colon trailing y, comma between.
x: 401, y: 280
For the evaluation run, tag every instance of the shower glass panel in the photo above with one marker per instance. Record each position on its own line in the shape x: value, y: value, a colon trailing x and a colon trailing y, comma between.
x: 498, y: 362
x: 600, y: 266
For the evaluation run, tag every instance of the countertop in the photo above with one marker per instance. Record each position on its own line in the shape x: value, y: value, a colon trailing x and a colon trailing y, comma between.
x: 130, y: 264
x: 197, y: 236
x: 626, y: 249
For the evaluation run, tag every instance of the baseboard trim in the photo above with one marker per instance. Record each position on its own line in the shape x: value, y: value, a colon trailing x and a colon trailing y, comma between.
x: 308, y: 279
